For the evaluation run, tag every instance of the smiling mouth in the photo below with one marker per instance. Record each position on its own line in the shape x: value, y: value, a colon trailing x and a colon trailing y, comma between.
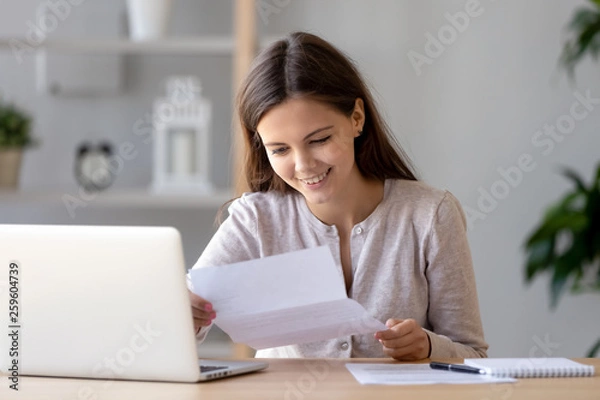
x: 316, y: 179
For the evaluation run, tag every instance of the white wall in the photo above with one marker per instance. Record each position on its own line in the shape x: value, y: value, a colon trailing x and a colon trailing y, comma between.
x: 474, y: 110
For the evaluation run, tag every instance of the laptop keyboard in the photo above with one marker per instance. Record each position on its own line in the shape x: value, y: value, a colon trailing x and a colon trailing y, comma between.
x: 209, y: 368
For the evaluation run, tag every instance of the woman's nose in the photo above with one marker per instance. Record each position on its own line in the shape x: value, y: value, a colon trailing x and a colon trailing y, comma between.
x: 304, y: 161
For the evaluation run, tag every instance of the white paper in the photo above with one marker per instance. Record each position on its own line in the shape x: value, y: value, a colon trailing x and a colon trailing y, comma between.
x: 415, y: 374
x: 291, y: 298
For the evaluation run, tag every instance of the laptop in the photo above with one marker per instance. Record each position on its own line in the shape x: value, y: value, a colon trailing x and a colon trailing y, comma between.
x: 102, y: 302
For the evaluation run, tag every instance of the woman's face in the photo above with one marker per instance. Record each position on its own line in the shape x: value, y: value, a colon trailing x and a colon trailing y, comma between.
x: 310, y: 146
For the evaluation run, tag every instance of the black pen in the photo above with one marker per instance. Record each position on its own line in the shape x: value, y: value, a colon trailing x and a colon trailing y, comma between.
x: 456, y: 368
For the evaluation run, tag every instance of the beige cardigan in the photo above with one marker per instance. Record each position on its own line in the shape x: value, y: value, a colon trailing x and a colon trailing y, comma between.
x: 410, y: 258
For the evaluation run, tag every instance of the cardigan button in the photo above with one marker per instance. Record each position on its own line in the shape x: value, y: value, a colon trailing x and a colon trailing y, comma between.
x: 344, y: 346
x: 359, y: 230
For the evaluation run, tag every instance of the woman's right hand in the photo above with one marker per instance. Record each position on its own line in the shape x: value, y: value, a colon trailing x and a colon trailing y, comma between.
x: 202, y: 311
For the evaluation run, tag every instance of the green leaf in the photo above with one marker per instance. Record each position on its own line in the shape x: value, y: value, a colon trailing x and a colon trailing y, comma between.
x: 14, y: 127
x: 582, y: 17
x: 567, y: 204
x: 594, y: 350
x: 559, y: 280
x: 592, y: 211
x: 573, y: 221
x: 571, y: 174
x: 585, y: 25
x: 571, y: 262
x: 541, y: 257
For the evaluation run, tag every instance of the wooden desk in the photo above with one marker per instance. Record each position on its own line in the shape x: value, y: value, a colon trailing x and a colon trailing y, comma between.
x: 301, y: 379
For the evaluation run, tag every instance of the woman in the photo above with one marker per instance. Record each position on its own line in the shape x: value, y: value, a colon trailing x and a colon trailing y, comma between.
x: 323, y: 169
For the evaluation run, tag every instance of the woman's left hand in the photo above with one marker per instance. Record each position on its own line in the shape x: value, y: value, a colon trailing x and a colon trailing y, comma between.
x: 405, y: 340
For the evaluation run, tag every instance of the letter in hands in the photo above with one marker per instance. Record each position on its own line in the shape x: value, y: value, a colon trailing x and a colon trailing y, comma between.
x: 202, y: 311
x: 405, y: 340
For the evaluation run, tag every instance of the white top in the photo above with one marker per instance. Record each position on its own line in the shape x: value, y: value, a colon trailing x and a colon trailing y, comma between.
x: 410, y: 259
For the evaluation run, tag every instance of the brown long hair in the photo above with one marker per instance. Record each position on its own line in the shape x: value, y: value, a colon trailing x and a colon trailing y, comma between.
x: 303, y: 65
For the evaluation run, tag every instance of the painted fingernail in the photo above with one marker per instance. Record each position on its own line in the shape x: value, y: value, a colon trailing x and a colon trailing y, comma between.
x: 213, y: 315
x: 208, y: 307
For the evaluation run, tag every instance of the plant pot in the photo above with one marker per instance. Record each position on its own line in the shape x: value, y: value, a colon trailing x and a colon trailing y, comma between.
x: 10, y: 166
x: 148, y: 19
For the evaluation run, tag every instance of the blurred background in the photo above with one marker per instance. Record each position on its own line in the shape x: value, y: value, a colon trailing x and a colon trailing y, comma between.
x: 472, y: 90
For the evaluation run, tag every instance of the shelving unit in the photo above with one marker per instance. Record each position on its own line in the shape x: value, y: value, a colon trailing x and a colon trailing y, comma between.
x: 133, y: 198
x: 241, y: 46
x: 185, y: 45
x: 216, y: 45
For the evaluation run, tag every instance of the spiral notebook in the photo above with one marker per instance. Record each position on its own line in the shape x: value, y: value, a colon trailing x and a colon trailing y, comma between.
x: 531, y: 367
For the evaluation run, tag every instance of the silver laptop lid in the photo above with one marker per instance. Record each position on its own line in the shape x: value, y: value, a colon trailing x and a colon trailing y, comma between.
x: 96, y: 301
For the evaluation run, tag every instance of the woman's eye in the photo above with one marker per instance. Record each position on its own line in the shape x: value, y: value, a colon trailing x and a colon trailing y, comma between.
x: 278, y: 151
x: 323, y: 140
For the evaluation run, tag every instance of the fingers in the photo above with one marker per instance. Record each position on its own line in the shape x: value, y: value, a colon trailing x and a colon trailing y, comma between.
x: 401, y: 333
x: 396, y: 328
x: 404, y: 340
x: 202, y: 311
x: 415, y: 351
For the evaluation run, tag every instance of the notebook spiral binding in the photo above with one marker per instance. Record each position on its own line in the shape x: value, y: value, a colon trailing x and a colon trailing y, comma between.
x: 532, y: 368
x: 567, y: 372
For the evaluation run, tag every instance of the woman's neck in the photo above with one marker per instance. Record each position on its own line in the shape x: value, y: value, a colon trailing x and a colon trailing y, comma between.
x: 351, y: 207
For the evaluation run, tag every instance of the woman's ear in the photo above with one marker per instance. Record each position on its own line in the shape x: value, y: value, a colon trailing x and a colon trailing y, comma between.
x: 358, y: 116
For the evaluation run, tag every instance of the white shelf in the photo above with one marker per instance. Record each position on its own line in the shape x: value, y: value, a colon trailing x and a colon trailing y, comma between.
x: 122, y: 198
x: 206, y: 45
x: 185, y: 45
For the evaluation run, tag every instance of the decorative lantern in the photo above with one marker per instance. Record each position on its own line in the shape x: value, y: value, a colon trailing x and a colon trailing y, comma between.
x: 181, y: 138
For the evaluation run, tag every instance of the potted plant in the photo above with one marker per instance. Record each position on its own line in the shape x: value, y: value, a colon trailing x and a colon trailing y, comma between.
x: 15, y: 135
x: 567, y: 241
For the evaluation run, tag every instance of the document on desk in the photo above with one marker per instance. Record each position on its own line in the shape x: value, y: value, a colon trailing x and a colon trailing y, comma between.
x: 291, y: 298
x: 414, y: 374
